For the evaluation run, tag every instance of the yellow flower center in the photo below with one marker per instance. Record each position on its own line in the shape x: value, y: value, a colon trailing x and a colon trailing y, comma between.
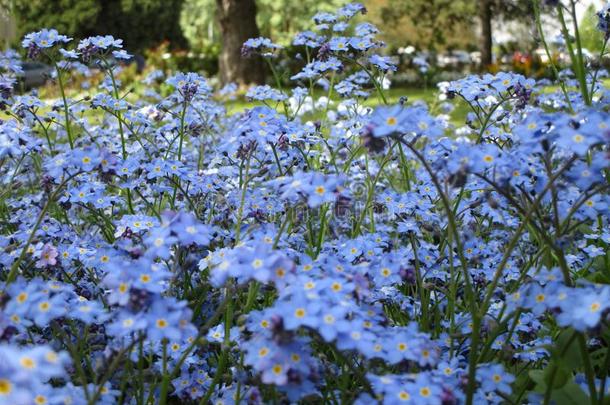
x: 27, y: 362
x: 5, y: 386
x: 51, y: 357
x: 404, y: 396
x: 578, y: 138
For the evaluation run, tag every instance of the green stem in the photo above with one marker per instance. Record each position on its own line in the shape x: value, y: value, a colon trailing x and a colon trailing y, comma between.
x: 581, y: 60
x: 488, y: 118
x: 164, y: 387
x: 121, y: 131
x: 601, y: 55
x: 576, y: 61
x: 549, y: 55
x: 222, y: 363
x: 202, y: 331
x: 470, y: 292
x: 113, y: 366
x: 371, y: 191
x: 589, y: 372
x: 15, y: 267
x: 66, y: 107
x: 240, y: 211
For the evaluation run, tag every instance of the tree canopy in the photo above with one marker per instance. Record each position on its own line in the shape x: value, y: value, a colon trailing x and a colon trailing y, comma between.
x: 278, y: 19
x: 140, y: 23
x: 592, y: 39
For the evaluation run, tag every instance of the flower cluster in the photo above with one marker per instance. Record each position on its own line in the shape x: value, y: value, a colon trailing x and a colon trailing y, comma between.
x: 156, y: 249
x: 38, y: 42
x: 262, y: 46
x: 26, y: 373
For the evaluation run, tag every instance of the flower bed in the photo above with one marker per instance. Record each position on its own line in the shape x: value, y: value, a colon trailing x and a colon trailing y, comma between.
x: 170, y: 253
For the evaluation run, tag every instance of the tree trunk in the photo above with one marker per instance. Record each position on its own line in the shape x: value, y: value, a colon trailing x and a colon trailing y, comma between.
x: 486, y: 41
x: 237, y: 21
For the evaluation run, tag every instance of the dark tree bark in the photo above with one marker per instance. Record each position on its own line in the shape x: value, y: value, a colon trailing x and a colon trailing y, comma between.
x: 237, y: 21
x: 486, y: 43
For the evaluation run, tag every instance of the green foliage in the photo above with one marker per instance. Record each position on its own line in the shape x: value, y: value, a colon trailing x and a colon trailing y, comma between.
x: 140, y: 23
x: 281, y: 19
x: 277, y: 19
x: 437, y: 30
x: 590, y: 36
x: 72, y: 17
x: 431, y: 30
x: 197, y: 20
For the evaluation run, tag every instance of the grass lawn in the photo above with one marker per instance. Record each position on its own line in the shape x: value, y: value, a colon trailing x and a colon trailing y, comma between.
x: 240, y: 103
x: 393, y: 95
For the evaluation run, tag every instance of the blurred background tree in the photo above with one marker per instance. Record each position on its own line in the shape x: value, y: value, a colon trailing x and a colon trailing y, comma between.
x: 428, y: 24
x: 447, y: 24
x: 209, y: 33
x: 591, y: 37
x: 7, y: 22
x: 72, y: 17
x: 140, y: 23
x: 197, y: 20
x: 237, y: 22
x: 276, y: 19
x: 207, y: 22
x: 281, y: 19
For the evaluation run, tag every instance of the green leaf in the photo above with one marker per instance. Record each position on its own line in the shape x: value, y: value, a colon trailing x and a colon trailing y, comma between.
x: 571, y: 394
x: 565, y: 352
x: 561, y: 378
x: 538, y: 377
